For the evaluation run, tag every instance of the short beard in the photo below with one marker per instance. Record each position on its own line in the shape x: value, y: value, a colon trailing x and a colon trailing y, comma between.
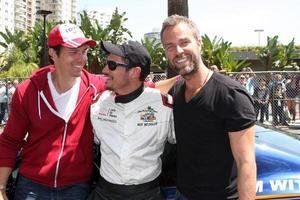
x: 186, y: 71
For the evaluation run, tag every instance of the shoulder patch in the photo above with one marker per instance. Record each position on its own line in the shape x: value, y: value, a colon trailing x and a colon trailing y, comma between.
x: 167, y: 100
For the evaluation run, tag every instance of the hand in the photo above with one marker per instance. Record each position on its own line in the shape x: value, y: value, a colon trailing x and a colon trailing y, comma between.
x: 3, y: 195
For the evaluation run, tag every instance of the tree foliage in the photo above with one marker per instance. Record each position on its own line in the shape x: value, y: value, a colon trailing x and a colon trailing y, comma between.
x: 269, y: 53
x: 157, y: 53
x: 116, y: 32
x: 276, y: 56
x: 23, y: 50
x: 286, y: 56
x: 217, y: 52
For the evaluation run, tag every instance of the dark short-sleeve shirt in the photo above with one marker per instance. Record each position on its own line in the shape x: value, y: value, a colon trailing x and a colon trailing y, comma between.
x: 204, y: 157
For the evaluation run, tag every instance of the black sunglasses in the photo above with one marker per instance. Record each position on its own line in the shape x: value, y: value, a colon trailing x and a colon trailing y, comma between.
x: 112, y: 65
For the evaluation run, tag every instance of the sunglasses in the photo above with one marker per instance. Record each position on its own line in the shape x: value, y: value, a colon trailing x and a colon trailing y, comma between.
x: 112, y: 65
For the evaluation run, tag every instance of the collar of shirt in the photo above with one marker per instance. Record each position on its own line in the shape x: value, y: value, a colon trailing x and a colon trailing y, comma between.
x: 129, y: 97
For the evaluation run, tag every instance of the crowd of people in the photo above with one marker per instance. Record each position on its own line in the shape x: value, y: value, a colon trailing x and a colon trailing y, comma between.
x: 59, y: 112
x: 274, y: 94
x: 7, y: 89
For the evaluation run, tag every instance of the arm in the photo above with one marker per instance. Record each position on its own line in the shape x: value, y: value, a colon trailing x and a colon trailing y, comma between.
x: 4, y: 174
x: 165, y: 85
x: 243, y: 148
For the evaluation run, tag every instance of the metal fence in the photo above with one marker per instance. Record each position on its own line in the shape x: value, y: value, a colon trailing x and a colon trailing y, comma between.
x: 276, y: 94
x: 7, y: 88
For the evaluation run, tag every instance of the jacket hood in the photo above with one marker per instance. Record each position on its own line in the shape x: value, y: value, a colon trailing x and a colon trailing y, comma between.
x: 40, y: 82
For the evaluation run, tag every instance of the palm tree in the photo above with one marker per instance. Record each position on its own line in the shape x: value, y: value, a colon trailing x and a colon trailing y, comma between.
x: 115, y: 32
x: 286, y: 56
x: 157, y: 54
x: 269, y: 54
x: 216, y: 52
x: 13, y: 42
x: 16, y: 39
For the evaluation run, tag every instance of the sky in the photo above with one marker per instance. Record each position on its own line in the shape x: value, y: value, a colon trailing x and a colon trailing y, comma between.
x: 233, y: 20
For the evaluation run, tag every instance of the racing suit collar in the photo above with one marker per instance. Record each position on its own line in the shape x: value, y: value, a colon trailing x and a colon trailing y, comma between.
x: 129, y: 97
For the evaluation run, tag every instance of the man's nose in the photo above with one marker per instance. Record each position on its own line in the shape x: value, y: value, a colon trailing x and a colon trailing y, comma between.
x: 179, y: 49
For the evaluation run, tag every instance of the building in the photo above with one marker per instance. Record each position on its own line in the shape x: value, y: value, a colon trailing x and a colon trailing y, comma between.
x: 6, y: 17
x: 62, y: 10
x: 20, y: 15
x: 24, y: 14
x: 102, y: 17
x: 31, y: 14
x: 155, y: 34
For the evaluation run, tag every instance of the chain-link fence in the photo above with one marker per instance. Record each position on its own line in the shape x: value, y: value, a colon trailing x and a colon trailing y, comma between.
x: 276, y: 94
x: 7, y: 88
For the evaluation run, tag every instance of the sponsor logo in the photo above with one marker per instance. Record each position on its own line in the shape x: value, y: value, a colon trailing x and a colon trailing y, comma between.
x: 278, y: 185
x: 108, y: 115
x: 147, y: 116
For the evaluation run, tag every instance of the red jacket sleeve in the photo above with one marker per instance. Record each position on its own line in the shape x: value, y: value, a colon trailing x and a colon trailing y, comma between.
x: 12, y: 138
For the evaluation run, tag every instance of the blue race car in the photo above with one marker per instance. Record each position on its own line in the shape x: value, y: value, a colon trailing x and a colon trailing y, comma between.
x: 278, y: 165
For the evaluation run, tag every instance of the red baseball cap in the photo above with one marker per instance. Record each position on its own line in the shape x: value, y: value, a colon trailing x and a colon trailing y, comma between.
x: 68, y: 35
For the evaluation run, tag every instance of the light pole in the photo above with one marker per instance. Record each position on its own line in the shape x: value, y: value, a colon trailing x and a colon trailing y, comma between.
x: 258, y: 32
x: 44, y: 60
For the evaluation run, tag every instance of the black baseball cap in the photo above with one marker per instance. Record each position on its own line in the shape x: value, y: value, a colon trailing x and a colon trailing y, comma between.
x: 133, y: 51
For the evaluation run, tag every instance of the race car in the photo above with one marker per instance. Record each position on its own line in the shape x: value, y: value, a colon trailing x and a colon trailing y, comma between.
x: 278, y: 166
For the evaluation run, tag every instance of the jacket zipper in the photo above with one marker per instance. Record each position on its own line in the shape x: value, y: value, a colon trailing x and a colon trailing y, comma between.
x: 65, y: 131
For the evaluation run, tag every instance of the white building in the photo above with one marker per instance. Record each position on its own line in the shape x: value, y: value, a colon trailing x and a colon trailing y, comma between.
x: 6, y: 17
x: 155, y: 34
x: 24, y: 14
x: 102, y: 17
x: 21, y: 14
x: 62, y: 10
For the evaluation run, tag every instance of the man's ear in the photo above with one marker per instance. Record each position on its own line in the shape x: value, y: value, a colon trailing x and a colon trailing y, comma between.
x: 52, y: 53
x: 136, y: 72
x: 199, y: 41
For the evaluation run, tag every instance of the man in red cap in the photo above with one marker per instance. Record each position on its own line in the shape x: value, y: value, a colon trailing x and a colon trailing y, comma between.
x: 50, y: 123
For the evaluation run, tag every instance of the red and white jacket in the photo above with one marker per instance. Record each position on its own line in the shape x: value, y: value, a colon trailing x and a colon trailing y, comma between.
x: 55, y: 152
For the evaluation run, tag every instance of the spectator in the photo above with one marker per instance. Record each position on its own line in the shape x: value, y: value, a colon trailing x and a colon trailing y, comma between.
x: 242, y: 80
x: 291, y: 93
x: 250, y: 75
x: 261, y: 99
x: 3, y: 101
x: 278, y: 96
x: 11, y: 90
